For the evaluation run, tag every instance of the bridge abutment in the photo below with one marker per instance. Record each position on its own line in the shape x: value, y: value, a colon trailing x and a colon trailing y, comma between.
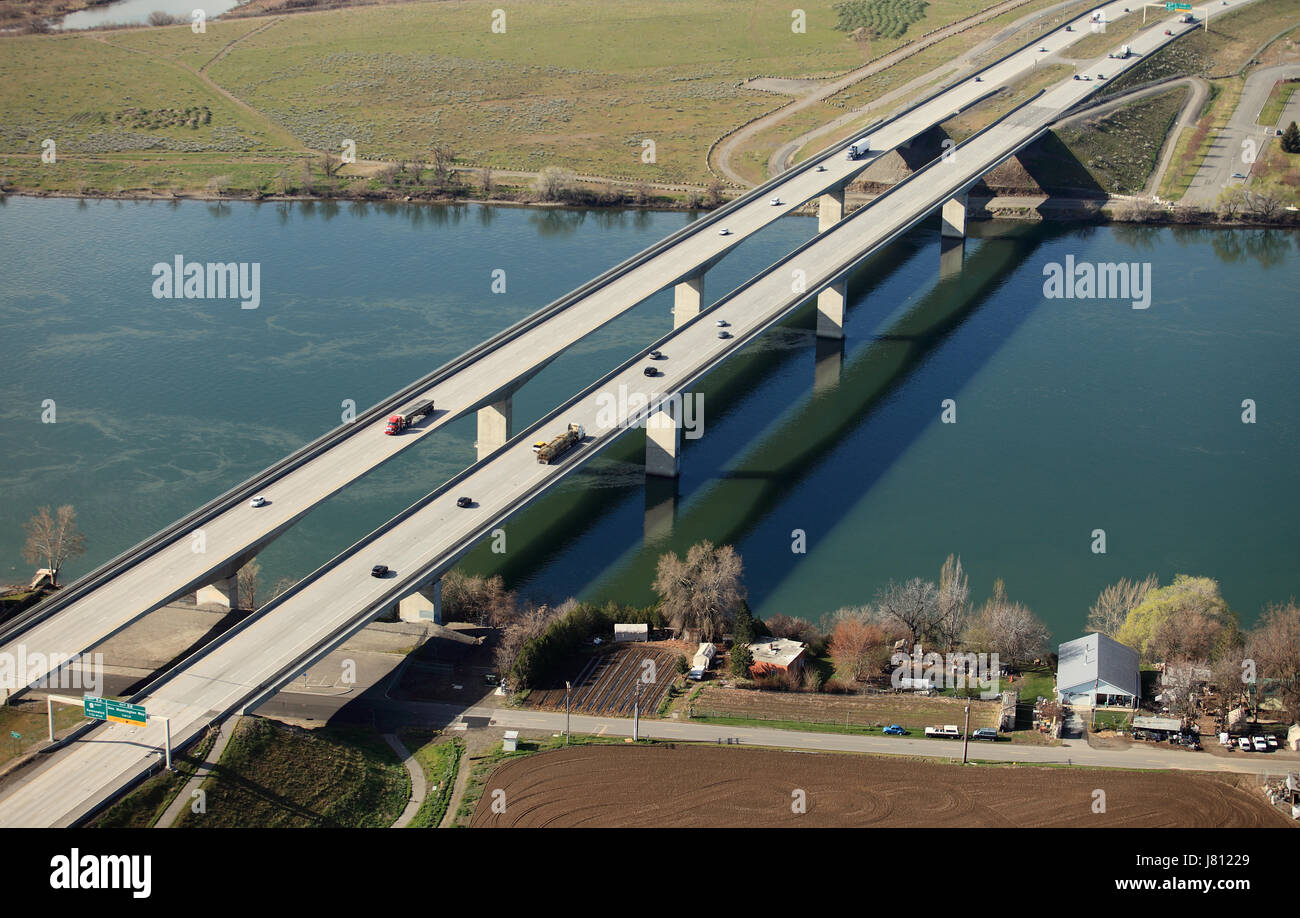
x: 494, y: 423
x: 424, y: 605
x: 222, y: 591
x: 830, y: 209
x: 830, y: 310
x: 952, y: 255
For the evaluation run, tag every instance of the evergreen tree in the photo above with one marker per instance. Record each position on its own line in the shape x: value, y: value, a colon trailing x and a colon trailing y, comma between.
x: 741, y: 661
x: 1291, y: 138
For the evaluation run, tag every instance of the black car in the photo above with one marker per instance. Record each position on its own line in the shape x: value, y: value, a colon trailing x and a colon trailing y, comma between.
x: 464, y: 502
x: 379, y: 570
x: 650, y: 371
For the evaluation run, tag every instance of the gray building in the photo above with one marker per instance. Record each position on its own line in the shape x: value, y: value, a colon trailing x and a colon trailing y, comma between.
x: 1098, y: 671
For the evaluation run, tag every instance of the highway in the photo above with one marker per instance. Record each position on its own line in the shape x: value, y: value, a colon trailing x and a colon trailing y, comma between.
x: 249, y: 662
x: 102, y: 603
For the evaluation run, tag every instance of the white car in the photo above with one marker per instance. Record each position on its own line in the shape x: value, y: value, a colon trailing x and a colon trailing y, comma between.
x: 821, y: 168
x: 722, y: 323
x: 724, y: 232
x: 1271, y: 740
x: 1243, y: 744
x: 258, y: 501
x: 776, y: 202
x: 1260, y: 744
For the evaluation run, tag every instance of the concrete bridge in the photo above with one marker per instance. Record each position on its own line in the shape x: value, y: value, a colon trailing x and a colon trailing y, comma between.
x: 249, y: 663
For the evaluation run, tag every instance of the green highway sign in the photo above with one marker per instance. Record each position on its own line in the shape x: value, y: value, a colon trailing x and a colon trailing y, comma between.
x: 116, y: 711
x: 1178, y: 6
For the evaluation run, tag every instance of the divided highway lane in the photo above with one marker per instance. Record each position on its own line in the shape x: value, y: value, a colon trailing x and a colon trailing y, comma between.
x: 254, y: 659
x: 234, y: 534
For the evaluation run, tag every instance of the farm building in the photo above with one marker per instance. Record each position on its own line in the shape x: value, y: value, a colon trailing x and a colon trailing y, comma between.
x: 1098, y: 671
x: 623, y: 632
x: 777, y: 654
x: 1160, y: 728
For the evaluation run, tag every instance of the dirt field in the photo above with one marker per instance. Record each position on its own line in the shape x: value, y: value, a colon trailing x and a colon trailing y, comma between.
x: 606, y: 684
x: 613, y: 786
x: 909, y: 710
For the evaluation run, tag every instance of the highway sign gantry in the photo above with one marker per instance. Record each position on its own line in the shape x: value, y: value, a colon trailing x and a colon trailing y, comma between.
x: 118, y: 712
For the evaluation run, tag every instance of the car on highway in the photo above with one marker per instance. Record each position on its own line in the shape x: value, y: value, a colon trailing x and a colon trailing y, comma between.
x: 656, y: 355
x: 722, y: 323
x: 1243, y: 744
x: 650, y: 371
x: 776, y: 202
x: 979, y: 79
x: 894, y: 730
x: 1077, y: 77
x: 724, y: 232
x: 379, y: 570
x: 1101, y: 76
x: 1260, y: 744
x: 1042, y: 49
x: 985, y: 733
x: 1069, y: 28
x: 464, y: 502
x: 258, y: 501
x: 821, y: 168
x: 1169, y: 31
x: 723, y: 333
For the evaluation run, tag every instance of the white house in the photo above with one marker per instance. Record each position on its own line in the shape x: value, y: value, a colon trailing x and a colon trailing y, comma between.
x: 631, y: 632
x: 1097, y: 671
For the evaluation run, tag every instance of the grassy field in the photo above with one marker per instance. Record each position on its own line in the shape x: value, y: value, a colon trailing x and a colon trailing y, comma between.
x: 272, y: 775
x: 1118, y: 151
x: 30, y: 720
x: 440, y: 760
x: 141, y: 808
x: 841, y: 713
x: 1277, y: 102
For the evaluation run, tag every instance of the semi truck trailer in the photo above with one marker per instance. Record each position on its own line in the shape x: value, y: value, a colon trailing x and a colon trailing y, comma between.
x: 547, y: 452
x: 399, y: 422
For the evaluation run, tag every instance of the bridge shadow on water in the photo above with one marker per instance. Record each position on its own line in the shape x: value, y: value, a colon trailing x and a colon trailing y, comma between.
x: 850, y: 430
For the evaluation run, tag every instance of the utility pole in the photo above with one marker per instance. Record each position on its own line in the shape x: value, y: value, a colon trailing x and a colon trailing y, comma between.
x: 636, y: 713
x: 965, y: 737
x: 568, y: 691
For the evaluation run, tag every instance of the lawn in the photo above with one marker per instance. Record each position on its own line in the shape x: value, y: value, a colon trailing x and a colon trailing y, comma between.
x: 29, y: 718
x: 440, y: 759
x: 275, y: 776
x: 141, y: 808
x: 1277, y: 102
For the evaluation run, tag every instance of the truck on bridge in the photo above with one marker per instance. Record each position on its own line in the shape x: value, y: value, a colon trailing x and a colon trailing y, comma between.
x: 859, y: 148
x: 560, y: 445
x: 399, y: 422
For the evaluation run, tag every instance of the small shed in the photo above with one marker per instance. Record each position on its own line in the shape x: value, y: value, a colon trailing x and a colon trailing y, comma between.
x: 631, y: 632
x: 511, y: 741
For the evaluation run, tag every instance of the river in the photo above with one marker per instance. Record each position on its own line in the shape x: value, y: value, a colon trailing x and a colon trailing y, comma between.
x: 1072, y: 415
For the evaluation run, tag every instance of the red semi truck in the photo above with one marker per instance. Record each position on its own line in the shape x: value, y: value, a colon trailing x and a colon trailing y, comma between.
x: 399, y: 422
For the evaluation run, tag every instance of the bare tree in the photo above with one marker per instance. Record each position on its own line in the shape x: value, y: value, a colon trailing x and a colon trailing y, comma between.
x: 528, y: 624
x: 1176, y: 688
x: 487, y: 181
x: 1265, y: 205
x: 1231, y: 202
x: 480, y: 600
x: 553, y: 183
x: 1007, y: 628
x: 797, y: 629
x: 857, y: 646
x: 1274, y: 645
x: 1114, y: 603
x: 703, y: 591
x: 913, y: 605
x: 954, y: 603
x: 53, y: 540
x: 249, y: 580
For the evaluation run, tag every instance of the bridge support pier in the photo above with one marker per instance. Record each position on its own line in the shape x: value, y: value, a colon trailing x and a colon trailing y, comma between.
x: 687, y: 299
x: 424, y: 605
x: 954, y: 217
x: 663, y: 443
x: 830, y: 310
x: 830, y: 209
x: 494, y: 423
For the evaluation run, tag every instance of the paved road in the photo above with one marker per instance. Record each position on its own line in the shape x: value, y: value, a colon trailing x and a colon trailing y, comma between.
x: 236, y: 534
x: 251, y: 660
x: 1226, y: 157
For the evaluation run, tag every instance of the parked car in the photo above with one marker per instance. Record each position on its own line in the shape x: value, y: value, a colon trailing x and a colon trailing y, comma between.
x: 1271, y: 740
x: 1243, y: 744
x: 1238, y: 175
x: 894, y: 730
x: 379, y: 570
x: 1260, y: 744
x: 258, y: 501
x: 464, y: 502
x: 985, y: 733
